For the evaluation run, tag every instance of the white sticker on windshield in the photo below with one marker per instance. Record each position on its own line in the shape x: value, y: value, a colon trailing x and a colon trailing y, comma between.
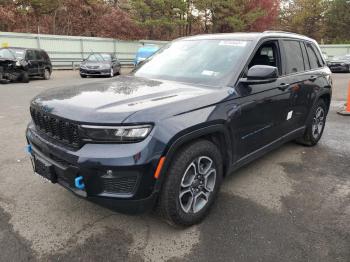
x: 209, y: 73
x: 233, y: 43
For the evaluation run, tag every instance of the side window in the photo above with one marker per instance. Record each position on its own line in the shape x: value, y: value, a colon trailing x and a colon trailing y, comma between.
x: 30, y: 55
x: 38, y: 55
x: 315, y: 61
x: 294, y: 56
x: 267, y: 54
x: 305, y: 56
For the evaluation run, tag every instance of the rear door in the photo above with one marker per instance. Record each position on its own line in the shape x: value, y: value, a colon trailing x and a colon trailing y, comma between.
x: 304, y: 75
x: 40, y: 60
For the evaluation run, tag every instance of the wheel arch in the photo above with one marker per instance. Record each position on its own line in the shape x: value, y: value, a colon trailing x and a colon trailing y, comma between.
x: 217, y: 134
x: 326, y: 97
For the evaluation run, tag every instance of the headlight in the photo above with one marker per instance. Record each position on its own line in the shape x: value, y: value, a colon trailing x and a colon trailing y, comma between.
x: 83, y: 66
x: 117, y: 133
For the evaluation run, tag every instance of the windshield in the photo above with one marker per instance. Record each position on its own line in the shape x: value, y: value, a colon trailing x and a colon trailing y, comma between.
x: 99, y: 57
x: 194, y: 61
x: 6, y: 53
x: 12, y: 53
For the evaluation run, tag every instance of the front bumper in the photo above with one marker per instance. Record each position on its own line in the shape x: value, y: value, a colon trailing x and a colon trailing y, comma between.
x: 114, y: 177
x: 95, y: 72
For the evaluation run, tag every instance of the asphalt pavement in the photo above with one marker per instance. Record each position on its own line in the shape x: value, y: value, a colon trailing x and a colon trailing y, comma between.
x: 291, y: 205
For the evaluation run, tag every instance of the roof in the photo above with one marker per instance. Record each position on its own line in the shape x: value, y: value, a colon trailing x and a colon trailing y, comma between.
x: 22, y: 48
x: 249, y: 36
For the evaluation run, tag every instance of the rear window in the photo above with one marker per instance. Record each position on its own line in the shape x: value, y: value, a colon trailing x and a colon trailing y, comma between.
x: 294, y: 57
x: 314, y: 57
x: 45, y: 55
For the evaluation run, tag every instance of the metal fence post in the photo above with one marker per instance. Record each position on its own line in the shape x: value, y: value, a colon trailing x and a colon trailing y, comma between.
x: 38, y: 40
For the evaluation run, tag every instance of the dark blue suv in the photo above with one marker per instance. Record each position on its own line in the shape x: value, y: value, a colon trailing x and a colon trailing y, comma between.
x: 165, y: 136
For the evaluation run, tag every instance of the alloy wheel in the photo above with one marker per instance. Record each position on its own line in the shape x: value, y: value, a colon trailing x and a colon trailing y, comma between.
x: 318, y: 123
x: 197, y: 184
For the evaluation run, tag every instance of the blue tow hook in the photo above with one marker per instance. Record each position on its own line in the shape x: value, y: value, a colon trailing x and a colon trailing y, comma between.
x: 29, y: 149
x: 79, y: 183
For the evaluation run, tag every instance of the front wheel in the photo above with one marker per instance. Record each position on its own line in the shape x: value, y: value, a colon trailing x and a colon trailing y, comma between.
x: 314, y: 129
x: 24, y: 78
x: 111, y: 73
x: 192, y: 183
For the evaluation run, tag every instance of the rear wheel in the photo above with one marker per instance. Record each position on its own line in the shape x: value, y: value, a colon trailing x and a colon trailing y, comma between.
x: 47, y: 74
x: 192, y: 183
x: 314, y: 129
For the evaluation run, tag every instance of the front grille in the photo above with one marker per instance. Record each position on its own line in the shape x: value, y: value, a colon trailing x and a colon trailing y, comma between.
x: 61, y: 130
x: 93, y: 67
x: 120, y: 185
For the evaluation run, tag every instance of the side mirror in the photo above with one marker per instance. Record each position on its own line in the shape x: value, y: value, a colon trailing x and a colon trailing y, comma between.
x: 260, y: 74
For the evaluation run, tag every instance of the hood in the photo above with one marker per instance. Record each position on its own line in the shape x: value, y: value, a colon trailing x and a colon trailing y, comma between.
x: 95, y: 63
x: 6, y: 60
x: 115, y: 100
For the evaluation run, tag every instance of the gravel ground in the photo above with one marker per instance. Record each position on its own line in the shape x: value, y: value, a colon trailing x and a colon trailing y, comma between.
x: 291, y: 205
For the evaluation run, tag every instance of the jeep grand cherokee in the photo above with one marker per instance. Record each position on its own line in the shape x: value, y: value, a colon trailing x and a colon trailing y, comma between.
x: 167, y: 135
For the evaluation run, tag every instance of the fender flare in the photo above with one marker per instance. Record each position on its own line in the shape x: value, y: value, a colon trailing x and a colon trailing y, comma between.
x: 319, y: 95
x: 181, y: 139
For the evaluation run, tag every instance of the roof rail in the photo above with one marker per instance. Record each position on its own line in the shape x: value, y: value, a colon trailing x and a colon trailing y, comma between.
x: 285, y: 32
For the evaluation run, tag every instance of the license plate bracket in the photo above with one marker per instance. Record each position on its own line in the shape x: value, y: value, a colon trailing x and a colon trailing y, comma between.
x: 45, y: 169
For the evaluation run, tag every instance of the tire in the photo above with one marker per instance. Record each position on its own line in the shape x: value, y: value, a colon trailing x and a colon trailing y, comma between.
x: 82, y: 76
x: 24, y: 78
x: 315, y: 128
x: 180, y: 180
x: 111, y: 73
x: 47, y: 74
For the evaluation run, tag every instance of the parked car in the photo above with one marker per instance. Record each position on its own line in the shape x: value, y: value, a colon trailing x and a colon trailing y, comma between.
x: 144, y: 52
x: 19, y: 64
x: 168, y: 134
x: 340, y: 64
x: 100, y: 64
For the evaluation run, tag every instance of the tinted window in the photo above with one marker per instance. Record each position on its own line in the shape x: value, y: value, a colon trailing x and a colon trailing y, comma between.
x: 294, y: 56
x: 306, y: 60
x: 315, y: 61
x: 30, y: 55
x: 99, y: 57
x: 38, y: 55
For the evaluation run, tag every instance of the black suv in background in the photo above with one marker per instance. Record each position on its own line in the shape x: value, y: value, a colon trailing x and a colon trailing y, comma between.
x: 167, y: 135
x: 22, y: 63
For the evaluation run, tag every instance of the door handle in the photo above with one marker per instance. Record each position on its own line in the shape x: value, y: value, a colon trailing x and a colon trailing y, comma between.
x: 312, y: 78
x: 283, y: 86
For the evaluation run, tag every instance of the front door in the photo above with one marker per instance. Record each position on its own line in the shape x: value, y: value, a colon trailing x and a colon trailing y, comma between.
x: 263, y: 107
x: 33, y: 66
